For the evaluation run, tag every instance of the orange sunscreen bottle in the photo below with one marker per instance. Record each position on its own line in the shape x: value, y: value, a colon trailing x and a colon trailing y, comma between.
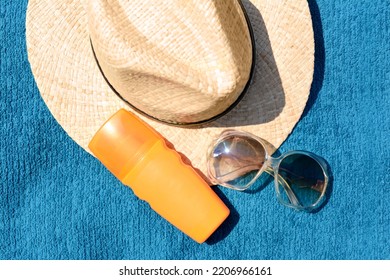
x: 138, y: 156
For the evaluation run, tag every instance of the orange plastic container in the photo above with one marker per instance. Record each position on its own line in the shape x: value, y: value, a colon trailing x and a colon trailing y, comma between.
x: 138, y: 156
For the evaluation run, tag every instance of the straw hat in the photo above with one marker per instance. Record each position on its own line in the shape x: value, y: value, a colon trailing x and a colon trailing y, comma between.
x: 174, y: 62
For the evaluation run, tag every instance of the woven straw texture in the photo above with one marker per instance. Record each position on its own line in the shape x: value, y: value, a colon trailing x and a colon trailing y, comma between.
x: 179, y: 62
x: 59, y: 51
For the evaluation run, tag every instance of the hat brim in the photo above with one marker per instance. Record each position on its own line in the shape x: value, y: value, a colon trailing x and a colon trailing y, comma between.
x: 79, y: 98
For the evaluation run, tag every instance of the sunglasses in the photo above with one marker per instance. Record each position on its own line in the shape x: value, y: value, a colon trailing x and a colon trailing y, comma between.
x: 237, y: 159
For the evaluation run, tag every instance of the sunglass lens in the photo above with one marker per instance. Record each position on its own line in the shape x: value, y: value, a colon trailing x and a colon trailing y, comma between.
x: 236, y: 160
x: 301, y: 181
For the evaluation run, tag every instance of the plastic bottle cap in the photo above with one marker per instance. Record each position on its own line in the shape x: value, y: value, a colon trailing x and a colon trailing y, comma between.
x: 122, y: 141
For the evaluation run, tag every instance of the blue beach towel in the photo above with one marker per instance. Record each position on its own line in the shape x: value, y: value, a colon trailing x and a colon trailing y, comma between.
x: 58, y: 202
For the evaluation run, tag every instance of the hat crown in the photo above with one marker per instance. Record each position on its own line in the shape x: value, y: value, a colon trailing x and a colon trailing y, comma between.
x: 178, y: 61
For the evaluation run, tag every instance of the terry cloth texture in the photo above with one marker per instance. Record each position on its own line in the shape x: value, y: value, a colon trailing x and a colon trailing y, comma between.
x: 58, y: 202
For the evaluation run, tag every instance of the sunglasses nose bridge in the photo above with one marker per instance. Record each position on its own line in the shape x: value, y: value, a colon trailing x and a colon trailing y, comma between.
x: 272, y: 162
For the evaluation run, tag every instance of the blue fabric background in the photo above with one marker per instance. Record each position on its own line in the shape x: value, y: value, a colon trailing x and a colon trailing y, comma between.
x: 58, y: 202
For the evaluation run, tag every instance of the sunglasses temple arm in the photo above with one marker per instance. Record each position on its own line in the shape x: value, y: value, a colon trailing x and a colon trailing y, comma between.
x: 291, y: 196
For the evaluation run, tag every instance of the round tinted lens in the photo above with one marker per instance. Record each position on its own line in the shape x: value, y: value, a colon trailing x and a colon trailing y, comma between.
x: 235, y: 161
x: 301, y: 181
